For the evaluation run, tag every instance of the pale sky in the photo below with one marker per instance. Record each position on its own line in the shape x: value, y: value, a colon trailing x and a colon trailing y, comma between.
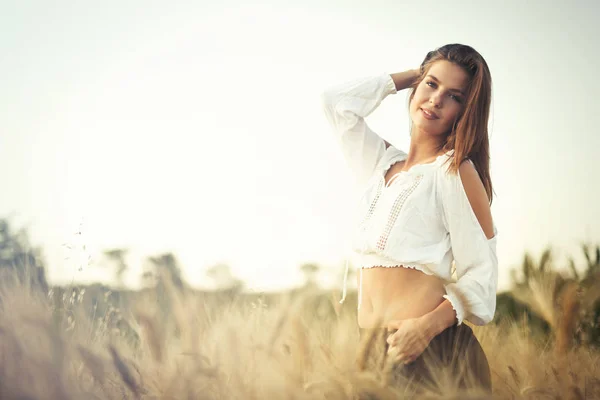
x: 196, y: 127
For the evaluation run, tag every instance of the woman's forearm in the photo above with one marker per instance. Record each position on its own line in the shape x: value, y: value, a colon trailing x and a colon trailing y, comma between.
x: 404, y: 79
x: 438, y: 320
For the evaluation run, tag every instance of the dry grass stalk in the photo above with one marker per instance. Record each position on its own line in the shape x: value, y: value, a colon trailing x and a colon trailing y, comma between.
x: 124, y: 372
x: 366, y: 347
x: 94, y: 364
x: 542, y: 300
x: 565, y: 328
x: 335, y: 303
x: 576, y: 394
x: 154, y: 337
x: 303, y: 344
x: 515, y: 376
x: 279, y: 324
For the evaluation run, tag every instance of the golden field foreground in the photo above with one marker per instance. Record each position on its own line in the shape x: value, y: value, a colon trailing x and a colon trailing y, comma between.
x: 171, y: 342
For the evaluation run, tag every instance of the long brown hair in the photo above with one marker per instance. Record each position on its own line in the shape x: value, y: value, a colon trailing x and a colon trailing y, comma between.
x: 469, y: 135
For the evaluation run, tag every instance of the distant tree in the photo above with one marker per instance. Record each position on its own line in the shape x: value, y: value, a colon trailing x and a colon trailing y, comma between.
x: 310, y: 271
x: 163, y: 274
x: 18, y: 260
x: 117, y: 258
x: 223, y: 278
x: 166, y: 266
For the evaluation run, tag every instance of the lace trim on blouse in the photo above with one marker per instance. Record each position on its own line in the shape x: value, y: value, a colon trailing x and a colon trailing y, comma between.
x: 383, y: 238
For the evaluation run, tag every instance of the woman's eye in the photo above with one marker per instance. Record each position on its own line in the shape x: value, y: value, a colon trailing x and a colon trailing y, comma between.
x: 452, y: 96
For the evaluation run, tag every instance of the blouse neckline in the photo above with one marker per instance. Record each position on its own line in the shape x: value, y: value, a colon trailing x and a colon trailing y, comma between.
x: 415, y: 169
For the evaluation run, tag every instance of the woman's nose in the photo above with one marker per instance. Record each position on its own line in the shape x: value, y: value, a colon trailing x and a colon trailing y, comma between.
x: 435, y: 100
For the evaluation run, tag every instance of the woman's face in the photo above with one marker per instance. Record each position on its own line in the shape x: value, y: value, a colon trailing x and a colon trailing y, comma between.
x: 443, y: 93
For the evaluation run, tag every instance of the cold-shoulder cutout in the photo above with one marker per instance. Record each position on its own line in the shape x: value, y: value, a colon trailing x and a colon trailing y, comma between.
x: 467, y: 217
x: 477, y: 196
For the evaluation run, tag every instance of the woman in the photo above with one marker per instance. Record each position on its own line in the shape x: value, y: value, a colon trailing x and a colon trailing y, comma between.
x: 424, y: 214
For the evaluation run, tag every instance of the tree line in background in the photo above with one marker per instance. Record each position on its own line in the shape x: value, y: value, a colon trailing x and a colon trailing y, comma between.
x: 560, y: 303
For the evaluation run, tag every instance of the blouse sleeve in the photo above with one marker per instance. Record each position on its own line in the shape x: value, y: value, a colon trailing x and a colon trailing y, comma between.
x: 346, y: 106
x: 473, y: 295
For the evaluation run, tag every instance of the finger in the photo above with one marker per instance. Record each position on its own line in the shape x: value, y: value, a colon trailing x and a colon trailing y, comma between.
x: 397, y: 336
x: 392, y: 350
x: 412, y: 357
x: 390, y: 339
x: 405, y: 359
x: 394, y: 326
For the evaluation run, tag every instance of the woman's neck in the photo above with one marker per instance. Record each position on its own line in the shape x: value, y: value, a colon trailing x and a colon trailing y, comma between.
x: 423, y: 149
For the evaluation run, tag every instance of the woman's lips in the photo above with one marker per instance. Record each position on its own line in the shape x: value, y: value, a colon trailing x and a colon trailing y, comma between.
x: 427, y: 116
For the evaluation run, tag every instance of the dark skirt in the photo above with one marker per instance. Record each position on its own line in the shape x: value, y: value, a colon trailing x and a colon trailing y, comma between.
x: 454, y: 358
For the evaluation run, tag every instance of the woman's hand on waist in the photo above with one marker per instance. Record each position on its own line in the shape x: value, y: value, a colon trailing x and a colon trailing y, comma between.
x: 411, y: 338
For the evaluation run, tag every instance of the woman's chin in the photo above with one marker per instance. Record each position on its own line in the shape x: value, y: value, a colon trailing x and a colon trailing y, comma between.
x: 426, y: 129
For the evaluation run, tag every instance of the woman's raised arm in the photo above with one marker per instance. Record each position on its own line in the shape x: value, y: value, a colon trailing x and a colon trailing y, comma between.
x: 347, y: 105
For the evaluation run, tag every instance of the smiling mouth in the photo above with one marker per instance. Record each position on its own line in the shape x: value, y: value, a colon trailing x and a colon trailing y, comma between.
x: 428, y: 116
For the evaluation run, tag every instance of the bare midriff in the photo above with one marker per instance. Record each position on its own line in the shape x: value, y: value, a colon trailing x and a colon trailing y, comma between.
x: 397, y: 293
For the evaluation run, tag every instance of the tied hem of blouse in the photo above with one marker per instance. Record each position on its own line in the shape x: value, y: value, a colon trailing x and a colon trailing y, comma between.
x: 346, y: 285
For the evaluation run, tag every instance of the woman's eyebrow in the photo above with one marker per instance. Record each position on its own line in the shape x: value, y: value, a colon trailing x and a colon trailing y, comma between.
x: 450, y: 90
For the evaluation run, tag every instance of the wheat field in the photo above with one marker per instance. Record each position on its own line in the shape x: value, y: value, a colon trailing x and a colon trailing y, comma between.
x: 175, y: 343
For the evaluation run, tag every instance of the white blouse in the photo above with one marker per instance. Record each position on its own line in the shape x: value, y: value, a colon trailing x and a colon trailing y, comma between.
x: 422, y: 219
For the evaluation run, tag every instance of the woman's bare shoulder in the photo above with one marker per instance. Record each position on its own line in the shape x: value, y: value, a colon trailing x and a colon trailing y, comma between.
x: 477, y: 196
